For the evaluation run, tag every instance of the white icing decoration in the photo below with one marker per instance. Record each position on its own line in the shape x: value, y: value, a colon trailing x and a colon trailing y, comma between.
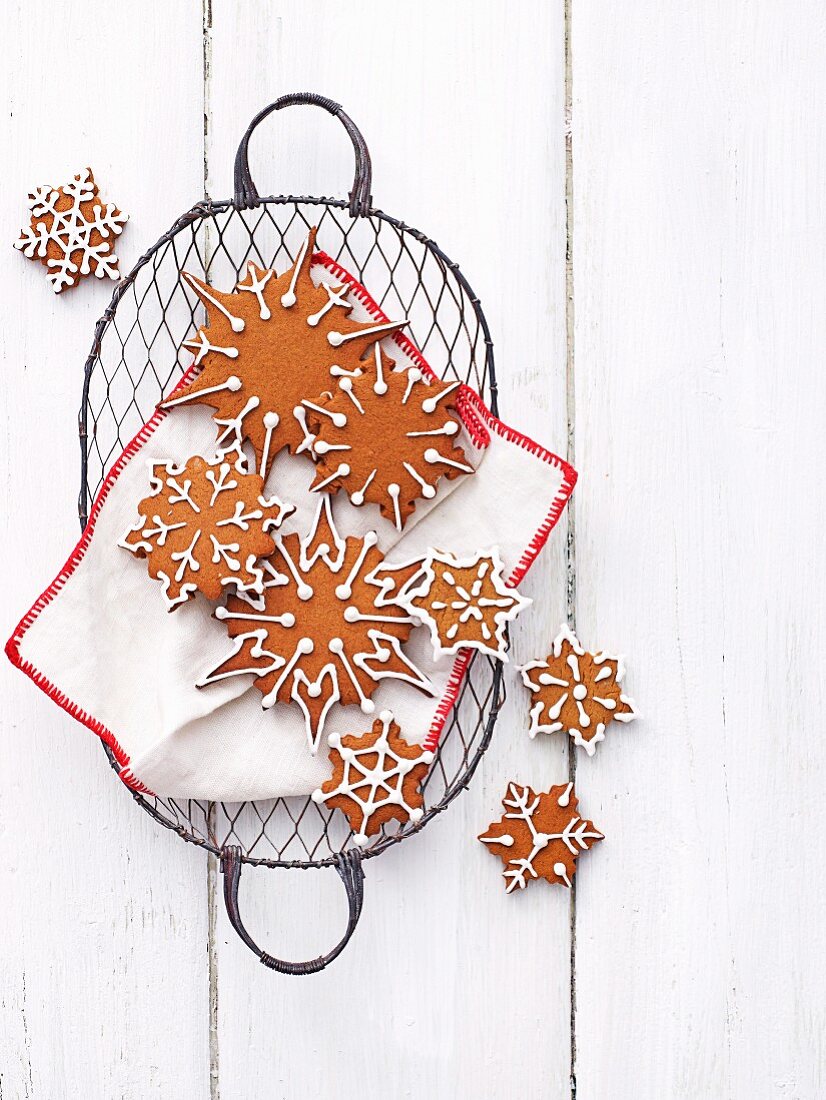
x: 288, y: 300
x: 257, y: 281
x: 575, y: 836
x: 414, y: 375
x: 432, y: 456
x: 271, y: 422
x: 342, y: 471
x: 233, y: 384
x: 470, y: 605
x: 379, y: 386
x: 339, y: 419
x: 202, y: 346
x: 336, y: 296
x: 430, y: 403
x: 393, y: 491
x: 235, y: 323
x: 545, y: 717
x: 72, y: 232
x: 506, y: 840
x: 346, y: 386
x: 384, y: 661
x: 336, y: 339
x: 175, y: 487
x: 450, y: 428
x: 382, y: 779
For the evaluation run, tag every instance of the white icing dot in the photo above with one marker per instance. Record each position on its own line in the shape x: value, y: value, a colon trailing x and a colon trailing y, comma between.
x: 416, y: 814
x: 335, y: 339
x: 357, y: 499
x: 580, y: 691
x: 380, y: 387
x: 271, y: 420
x: 344, y: 470
x: 288, y: 619
x: 561, y: 870
x: 431, y: 455
x: 317, y: 795
x: 305, y: 645
x: 386, y: 715
x: 340, y: 421
x: 361, y: 840
x: 367, y: 706
x: 343, y: 592
x: 451, y: 428
x: 321, y: 448
x: 351, y: 614
x: 234, y: 383
x: 334, y: 740
x: 428, y: 757
x: 336, y: 645
x: 221, y: 613
x: 288, y: 300
x: 393, y: 489
x: 304, y: 592
x: 314, y: 690
x: 428, y: 491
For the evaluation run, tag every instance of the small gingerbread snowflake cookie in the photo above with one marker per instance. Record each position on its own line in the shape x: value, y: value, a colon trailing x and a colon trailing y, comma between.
x: 203, y: 527
x: 72, y: 232
x: 269, y: 344
x: 324, y: 630
x: 577, y: 691
x: 539, y: 836
x: 377, y: 778
x: 465, y: 602
x: 386, y: 437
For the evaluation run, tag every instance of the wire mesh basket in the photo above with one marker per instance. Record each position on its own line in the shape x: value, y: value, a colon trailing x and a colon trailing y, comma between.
x: 136, y: 359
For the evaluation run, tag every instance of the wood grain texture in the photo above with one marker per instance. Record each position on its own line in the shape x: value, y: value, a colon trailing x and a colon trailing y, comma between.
x: 700, y: 338
x: 103, y: 922
x: 699, y: 257
x: 457, y: 989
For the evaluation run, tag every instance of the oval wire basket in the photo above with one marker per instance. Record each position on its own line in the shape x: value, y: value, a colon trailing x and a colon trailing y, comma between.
x: 134, y: 361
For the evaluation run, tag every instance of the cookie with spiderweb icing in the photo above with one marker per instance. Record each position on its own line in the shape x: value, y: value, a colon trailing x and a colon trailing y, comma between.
x: 386, y: 437
x: 273, y: 342
x: 377, y: 778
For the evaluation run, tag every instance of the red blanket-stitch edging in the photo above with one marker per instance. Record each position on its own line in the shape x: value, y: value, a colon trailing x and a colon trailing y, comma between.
x: 478, y: 420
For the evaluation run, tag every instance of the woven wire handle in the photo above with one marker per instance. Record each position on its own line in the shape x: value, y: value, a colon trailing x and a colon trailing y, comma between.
x: 351, y: 872
x: 246, y: 193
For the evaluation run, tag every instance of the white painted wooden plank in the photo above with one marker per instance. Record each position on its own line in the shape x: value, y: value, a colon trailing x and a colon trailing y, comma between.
x: 454, y: 988
x: 699, y: 255
x: 103, y: 967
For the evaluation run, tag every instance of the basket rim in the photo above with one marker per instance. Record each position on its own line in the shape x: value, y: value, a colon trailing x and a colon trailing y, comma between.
x: 208, y: 208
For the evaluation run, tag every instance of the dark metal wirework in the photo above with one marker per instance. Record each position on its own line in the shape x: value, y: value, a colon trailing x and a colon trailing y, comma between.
x: 246, y: 193
x: 133, y: 362
x: 350, y: 871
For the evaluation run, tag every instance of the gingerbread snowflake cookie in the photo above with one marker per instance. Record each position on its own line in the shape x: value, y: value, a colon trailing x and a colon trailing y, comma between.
x: 577, y: 691
x: 203, y: 527
x: 377, y: 778
x: 465, y: 602
x: 386, y: 437
x: 539, y: 836
x: 324, y: 629
x: 72, y: 232
x: 273, y: 342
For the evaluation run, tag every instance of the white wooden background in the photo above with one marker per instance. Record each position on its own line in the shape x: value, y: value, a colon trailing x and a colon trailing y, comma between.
x: 679, y: 355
